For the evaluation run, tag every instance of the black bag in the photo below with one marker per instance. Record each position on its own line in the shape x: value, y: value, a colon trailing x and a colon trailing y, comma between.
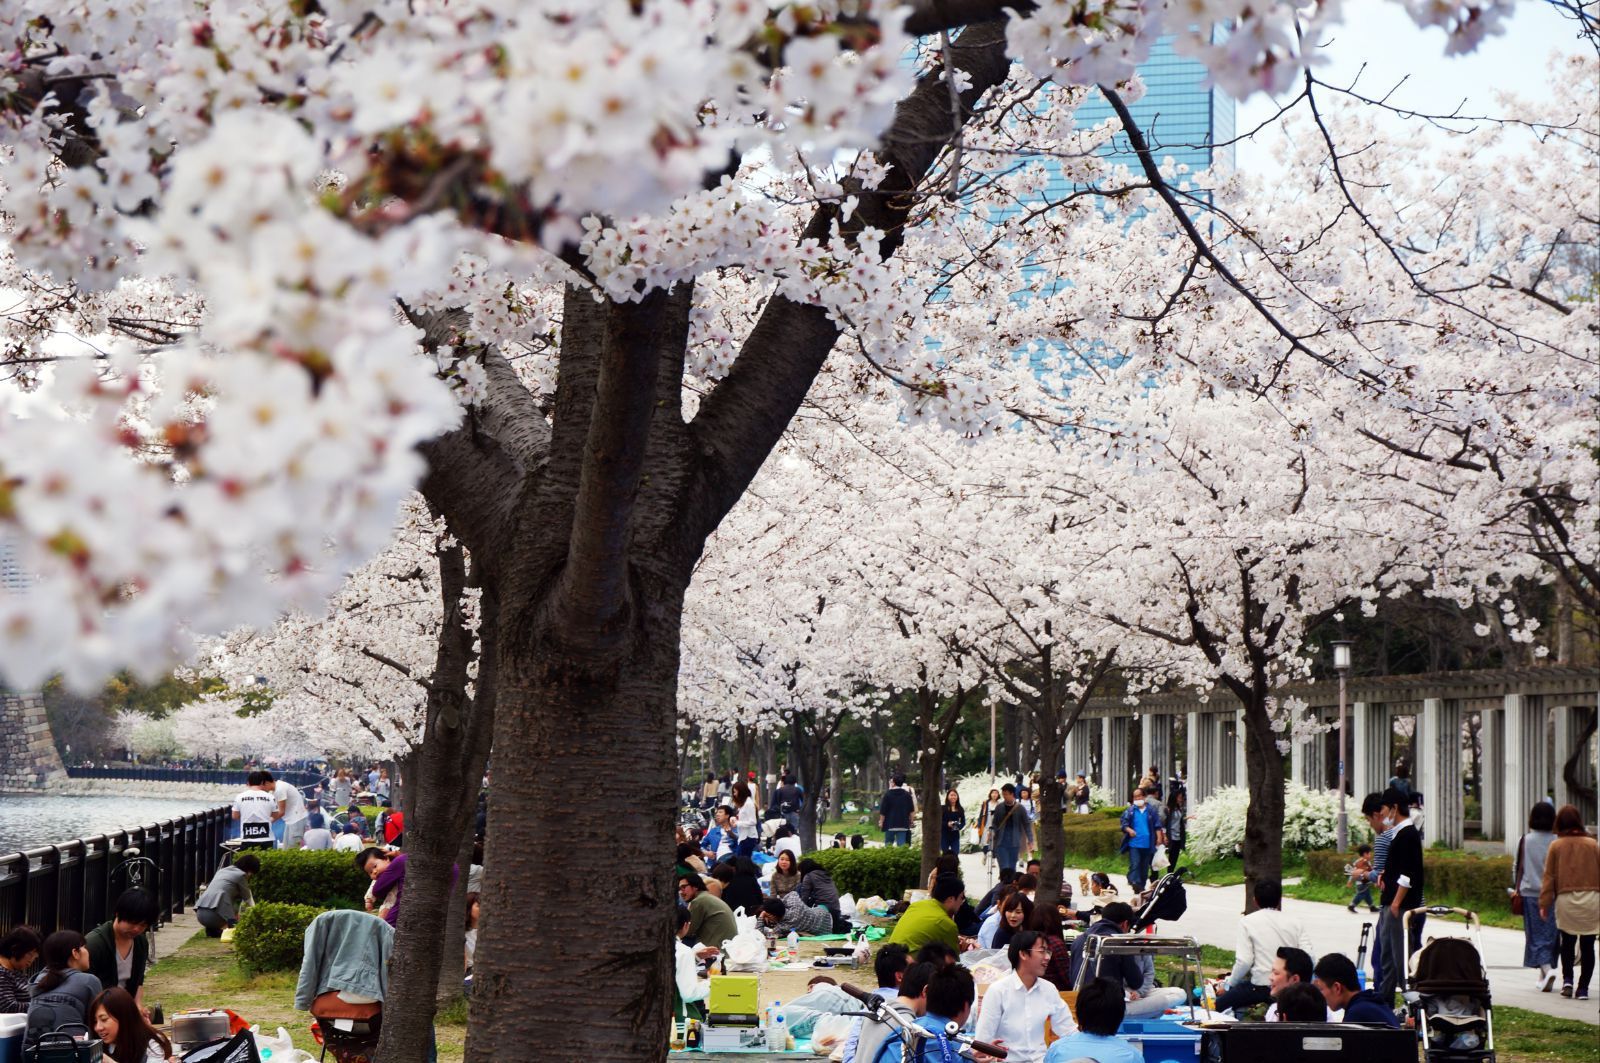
x: 61, y: 1046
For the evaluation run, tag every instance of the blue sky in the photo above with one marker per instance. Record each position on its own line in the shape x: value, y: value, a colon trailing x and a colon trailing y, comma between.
x: 1381, y: 34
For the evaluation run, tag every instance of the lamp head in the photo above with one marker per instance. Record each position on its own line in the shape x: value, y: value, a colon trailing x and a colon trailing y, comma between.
x: 1341, y: 656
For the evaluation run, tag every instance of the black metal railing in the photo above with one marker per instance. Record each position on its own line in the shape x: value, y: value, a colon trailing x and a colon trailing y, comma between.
x: 220, y: 776
x: 72, y: 886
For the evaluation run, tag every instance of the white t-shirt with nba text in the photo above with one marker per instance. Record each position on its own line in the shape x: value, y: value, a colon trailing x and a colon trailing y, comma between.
x: 255, y: 809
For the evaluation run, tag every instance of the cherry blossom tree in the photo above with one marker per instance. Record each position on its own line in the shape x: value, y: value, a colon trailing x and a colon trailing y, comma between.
x: 673, y: 212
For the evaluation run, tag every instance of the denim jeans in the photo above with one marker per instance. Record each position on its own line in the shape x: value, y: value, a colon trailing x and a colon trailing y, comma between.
x: 897, y: 836
x: 1139, y: 866
x: 1005, y: 856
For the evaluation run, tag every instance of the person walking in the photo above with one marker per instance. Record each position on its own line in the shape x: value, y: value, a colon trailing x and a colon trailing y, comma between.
x: 1009, y: 826
x: 896, y: 811
x: 986, y: 821
x: 1141, y: 833
x: 1571, y: 894
x: 1539, y: 934
x: 342, y: 788
x: 787, y: 800
x: 1177, y: 817
x: 1080, y: 795
x: 952, y: 819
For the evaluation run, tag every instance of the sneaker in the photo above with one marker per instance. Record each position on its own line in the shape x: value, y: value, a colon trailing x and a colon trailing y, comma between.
x: 1548, y: 982
x: 1351, y: 907
x: 1566, y: 990
x: 1372, y: 908
x: 1583, y: 994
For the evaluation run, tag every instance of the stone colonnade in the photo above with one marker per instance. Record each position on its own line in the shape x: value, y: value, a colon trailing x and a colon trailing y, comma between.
x: 1531, y: 723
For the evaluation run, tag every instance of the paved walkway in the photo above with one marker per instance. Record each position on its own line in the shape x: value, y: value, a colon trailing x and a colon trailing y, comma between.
x: 1213, y: 918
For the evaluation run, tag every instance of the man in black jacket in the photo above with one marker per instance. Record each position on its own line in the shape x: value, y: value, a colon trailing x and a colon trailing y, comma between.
x: 1115, y: 918
x: 1402, y: 891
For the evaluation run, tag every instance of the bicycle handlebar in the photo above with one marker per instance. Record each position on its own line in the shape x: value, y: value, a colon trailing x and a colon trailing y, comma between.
x: 952, y: 1029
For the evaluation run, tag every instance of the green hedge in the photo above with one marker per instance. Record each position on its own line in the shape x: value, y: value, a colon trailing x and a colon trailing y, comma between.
x: 1094, y: 836
x: 1464, y: 880
x: 322, y: 879
x: 884, y: 872
x: 271, y: 937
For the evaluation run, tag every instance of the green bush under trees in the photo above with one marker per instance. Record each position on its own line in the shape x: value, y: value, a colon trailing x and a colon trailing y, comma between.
x: 1092, y: 837
x: 322, y: 879
x: 1462, y: 880
x: 885, y: 872
x: 271, y: 937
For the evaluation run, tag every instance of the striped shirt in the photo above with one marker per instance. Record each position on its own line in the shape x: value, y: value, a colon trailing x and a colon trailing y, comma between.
x: 1380, y: 851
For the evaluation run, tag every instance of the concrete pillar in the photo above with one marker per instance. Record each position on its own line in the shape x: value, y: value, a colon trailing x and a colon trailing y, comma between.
x: 1369, y: 762
x: 1078, y: 743
x: 1492, y: 766
x: 1240, y: 773
x: 1524, y: 760
x: 1570, y: 722
x: 1155, y: 744
x: 1195, y: 766
x: 1114, y: 758
x: 1438, y: 749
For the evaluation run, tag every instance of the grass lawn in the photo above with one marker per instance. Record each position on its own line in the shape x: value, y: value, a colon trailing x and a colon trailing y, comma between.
x: 851, y: 824
x: 1226, y: 872
x: 1337, y: 894
x: 204, y: 974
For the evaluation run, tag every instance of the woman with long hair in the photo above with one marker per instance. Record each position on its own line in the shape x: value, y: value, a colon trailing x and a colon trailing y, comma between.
x: 63, y: 992
x: 1571, y: 892
x: 986, y: 820
x: 786, y: 876
x: 747, y: 823
x: 127, y: 1035
x: 1015, y: 911
x: 952, y: 818
x: 1539, y: 935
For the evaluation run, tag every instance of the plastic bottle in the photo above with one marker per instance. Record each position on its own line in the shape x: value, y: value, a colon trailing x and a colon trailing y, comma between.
x: 778, y: 1035
x: 1211, y: 996
x: 794, y: 945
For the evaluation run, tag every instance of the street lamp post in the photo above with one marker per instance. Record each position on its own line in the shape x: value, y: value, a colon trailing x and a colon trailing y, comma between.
x: 1341, y: 664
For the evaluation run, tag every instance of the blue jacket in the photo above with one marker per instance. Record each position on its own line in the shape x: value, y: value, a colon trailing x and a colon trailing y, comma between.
x: 1367, y: 1006
x: 344, y: 951
x: 1152, y: 821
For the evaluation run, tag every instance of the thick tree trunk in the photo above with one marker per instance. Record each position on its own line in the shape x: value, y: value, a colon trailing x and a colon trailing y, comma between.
x: 932, y: 797
x: 807, y: 753
x: 1263, y: 824
x: 1051, y: 798
x: 579, y: 895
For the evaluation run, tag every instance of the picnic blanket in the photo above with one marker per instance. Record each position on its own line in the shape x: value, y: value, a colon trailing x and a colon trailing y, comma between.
x: 873, y: 934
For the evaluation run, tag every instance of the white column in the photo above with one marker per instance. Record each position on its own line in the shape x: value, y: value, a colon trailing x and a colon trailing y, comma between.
x: 1491, y: 764
x: 1570, y: 721
x: 1370, y: 755
x: 1438, y: 748
x: 1195, y: 767
x: 1078, y: 742
x: 1107, y: 772
x: 1115, y: 765
x: 1524, y: 761
x: 1155, y: 743
x: 1241, y: 774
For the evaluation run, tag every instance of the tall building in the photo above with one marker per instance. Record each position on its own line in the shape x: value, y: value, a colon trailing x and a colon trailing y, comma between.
x: 1180, y: 115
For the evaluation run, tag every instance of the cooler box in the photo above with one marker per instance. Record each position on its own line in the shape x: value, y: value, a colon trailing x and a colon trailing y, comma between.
x: 734, y: 993
x: 1162, y: 1040
x: 11, y: 1030
x: 1307, y: 1042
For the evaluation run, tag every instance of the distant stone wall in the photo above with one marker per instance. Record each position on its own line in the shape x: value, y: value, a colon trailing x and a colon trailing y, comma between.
x: 28, y: 758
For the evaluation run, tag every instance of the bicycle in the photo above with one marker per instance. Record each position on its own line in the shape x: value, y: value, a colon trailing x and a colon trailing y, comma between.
x: 913, y: 1035
x: 141, y: 873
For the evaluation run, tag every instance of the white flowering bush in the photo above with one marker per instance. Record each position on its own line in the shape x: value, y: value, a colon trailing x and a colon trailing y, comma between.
x: 1310, y: 821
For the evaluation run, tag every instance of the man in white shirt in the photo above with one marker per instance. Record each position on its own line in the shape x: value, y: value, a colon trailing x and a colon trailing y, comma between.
x: 1261, y: 934
x: 1015, y: 1008
x: 291, y: 809
x: 686, y: 968
x: 1293, y: 967
x: 255, y: 809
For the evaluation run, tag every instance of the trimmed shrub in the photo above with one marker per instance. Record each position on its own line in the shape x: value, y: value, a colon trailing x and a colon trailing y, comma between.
x: 1092, y: 837
x: 323, y: 878
x: 1463, y: 880
x: 271, y: 937
x: 885, y: 872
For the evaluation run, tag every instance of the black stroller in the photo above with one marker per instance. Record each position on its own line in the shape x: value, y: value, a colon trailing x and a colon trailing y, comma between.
x: 1448, y: 992
x: 1165, y: 901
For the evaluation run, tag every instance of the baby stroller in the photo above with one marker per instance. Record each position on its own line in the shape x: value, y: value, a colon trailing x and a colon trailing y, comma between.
x: 1448, y: 992
x: 1165, y: 901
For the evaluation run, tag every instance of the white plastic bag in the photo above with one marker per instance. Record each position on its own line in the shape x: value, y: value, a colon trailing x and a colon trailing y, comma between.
x: 279, y: 1049
x: 746, y: 951
x: 830, y: 1032
x: 847, y: 906
x: 1159, y: 863
x: 743, y: 924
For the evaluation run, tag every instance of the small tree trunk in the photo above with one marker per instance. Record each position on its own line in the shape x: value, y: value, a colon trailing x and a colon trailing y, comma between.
x: 932, y: 767
x: 835, y: 782
x: 453, y: 941
x: 1051, y: 798
x: 1263, y: 824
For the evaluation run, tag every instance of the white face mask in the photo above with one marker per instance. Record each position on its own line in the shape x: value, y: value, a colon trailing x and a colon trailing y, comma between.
x: 1139, y: 803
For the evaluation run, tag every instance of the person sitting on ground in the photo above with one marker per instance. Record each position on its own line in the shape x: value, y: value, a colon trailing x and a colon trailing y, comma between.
x: 1293, y: 967
x: 690, y: 987
x: 1148, y: 999
x: 786, y: 840
x: 890, y: 966
x: 721, y: 874
x: 931, y: 919
x: 354, y: 818
x: 127, y: 1035
x: 1101, y: 1007
x: 316, y: 836
x: 991, y: 922
x: 1016, y: 1007
x: 1261, y: 934
x: 1115, y: 918
x: 816, y: 887
x: 719, y: 840
x: 19, y: 950
x: 1047, y: 923
x: 879, y: 1042
x: 711, y: 921
x: 950, y: 995
x: 118, y: 949
x: 218, y: 907
x: 64, y: 989
x: 1028, y: 882
x: 1336, y: 978
x: 688, y: 859
x: 1007, y: 883
x: 1015, y: 911
x: 786, y: 874
x: 937, y: 953
x: 349, y: 840
x: 943, y: 864
x: 743, y: 888
x: 1299, y: 1002
x: 786, y: 913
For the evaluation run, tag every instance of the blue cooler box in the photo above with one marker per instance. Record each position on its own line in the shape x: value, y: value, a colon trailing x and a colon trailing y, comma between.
x: 1162, y: 1040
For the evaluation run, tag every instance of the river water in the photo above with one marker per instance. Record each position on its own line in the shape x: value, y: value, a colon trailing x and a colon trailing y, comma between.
x: 27, y: 822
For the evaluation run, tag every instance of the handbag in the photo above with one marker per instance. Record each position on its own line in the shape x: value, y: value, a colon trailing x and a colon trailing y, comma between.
x: 61, y: 1046
x: 1516, y: 894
